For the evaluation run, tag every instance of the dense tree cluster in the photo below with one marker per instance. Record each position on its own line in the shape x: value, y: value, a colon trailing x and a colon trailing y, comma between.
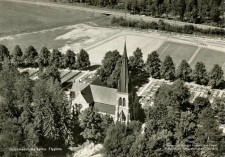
x: 119, y: 138
x: 110, y: 69
x: 173, y: 127
x: 31, y: 58
x: 163, y: 26
x: 193, y: 11
x: 34, y: 114
x: 94, y: 125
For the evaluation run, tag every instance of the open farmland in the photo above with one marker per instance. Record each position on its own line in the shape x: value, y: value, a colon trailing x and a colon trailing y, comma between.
x: 209, y: 57
x: 177, y: 51
x: 22, y: 17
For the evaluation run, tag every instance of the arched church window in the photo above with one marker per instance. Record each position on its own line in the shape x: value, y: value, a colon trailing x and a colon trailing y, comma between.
x: 124, y: 102
x: 120, y: 101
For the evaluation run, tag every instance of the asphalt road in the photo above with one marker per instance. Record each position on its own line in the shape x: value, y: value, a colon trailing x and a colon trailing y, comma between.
x: 111, y: 12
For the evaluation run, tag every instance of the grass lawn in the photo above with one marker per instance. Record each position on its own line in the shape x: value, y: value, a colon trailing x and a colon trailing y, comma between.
x: 146, y: 44
x: 22, y: 17
x: 177, y: 51
x: 209, y: 58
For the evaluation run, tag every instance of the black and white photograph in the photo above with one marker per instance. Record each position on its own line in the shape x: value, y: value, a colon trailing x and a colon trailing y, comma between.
x: 112, y: 78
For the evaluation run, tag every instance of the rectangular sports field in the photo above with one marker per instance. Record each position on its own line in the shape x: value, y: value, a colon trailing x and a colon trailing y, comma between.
x: 177, y: 51
x: 209, y: 57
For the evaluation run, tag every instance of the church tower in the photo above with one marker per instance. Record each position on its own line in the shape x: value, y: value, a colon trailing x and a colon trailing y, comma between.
x: 122, y: 108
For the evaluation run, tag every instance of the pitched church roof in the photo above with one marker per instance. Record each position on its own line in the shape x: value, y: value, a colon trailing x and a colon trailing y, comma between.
x: 104, y: 94
x: 97, y: 82
x: 79, y: 86
x: 104, y: 98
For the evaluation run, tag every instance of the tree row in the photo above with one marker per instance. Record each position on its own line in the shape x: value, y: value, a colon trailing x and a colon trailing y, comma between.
x: 193, y: 11
x: 166, y: 70
x: 31, y: 58
x: 109, y: 71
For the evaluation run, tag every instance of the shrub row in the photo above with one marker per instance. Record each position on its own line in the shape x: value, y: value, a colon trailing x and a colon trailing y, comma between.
x: 163, y: 26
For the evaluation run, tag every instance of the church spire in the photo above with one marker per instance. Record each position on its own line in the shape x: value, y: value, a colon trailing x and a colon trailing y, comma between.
x: 124, y: 77
x: 125, y: 50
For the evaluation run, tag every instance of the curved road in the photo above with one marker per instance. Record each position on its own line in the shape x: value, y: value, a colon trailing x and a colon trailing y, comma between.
x: 114, y: 13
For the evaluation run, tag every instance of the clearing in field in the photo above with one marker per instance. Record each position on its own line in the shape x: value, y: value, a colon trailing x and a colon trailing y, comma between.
x: 177, y: 51
x: 209, y: 57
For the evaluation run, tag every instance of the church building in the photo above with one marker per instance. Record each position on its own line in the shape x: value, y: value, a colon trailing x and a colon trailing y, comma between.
x: 114, y: 102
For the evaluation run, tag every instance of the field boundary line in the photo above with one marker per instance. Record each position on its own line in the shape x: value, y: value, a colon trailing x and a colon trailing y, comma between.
x: 194, y: 55
x: 164, y: 49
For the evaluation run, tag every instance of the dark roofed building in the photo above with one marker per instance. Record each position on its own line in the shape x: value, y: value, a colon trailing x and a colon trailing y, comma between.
x: 110, y: 101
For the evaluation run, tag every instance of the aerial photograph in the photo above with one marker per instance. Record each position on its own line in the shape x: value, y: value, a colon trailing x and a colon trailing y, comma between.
x: 112, y: 78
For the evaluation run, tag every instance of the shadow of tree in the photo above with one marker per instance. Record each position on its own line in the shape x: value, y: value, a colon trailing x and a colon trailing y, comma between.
x: 140, y: 80
x: 136, y: 110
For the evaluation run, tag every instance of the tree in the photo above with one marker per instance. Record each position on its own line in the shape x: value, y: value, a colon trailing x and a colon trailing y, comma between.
x: 216, y: 76
x: 4, y: 52
x: 184, y: 71
x: 14, y: 112
x: 44, y: 57
x: 136, y: 63
x: 82, y: 60
x: 153, y: 64
x: 208, y: 134
x: 30, y: 57
x: 153, y: 140
x: 8, y: 77
x: 199, y: 74
x: 108, y: 65
x: 52, y: 73
x: 168, y: 69
x: 55, y: 58
x: 219, y: 109
x: 192, y: 10
x: 181, y: 8
x: 169, y: 101
x: 11, y: 136
x: 52, y: 115
x: 23, y: 91
x: 17, y: 55
x: 70, y: 59
x: 200, y: 103
x: 93, y: 125
x: 76, y: 129
x: 112, y: 81
x: 120, y: 138
x: 215, y: 13
x: 185, y: 132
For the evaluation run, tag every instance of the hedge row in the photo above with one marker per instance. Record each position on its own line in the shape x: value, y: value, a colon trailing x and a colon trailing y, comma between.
x: 161, y: 25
